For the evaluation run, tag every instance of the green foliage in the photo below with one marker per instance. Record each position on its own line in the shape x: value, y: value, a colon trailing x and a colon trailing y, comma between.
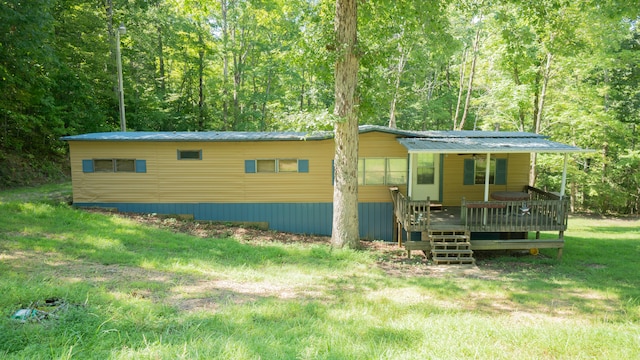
x: 268, y: 65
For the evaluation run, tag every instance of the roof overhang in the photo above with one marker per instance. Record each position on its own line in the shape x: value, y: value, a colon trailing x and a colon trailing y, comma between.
x: 490, y: 144
x: 441, y: 142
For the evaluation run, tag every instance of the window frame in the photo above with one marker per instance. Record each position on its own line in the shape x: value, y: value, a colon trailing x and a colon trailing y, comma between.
x: 430, y: 177
x: 386, y: 172
x: 117, y: 168
x: 181, y: 153
x: 500, y: 171
x: 480, y: 180
x: 253, y: 165
x: 103, y: 169
x: 135, y: 165
x: 275, y: 166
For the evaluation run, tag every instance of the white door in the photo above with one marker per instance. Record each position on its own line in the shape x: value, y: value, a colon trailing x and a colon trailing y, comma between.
x: 425, y: 177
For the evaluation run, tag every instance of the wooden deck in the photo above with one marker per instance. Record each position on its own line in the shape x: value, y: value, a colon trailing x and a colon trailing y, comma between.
x: 493, y: 225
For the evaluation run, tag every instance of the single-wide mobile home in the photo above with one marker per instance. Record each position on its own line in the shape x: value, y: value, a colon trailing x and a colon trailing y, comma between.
x: 416, y: 181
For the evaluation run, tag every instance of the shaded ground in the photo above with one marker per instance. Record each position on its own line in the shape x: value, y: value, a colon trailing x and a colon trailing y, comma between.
x: 391, y: 258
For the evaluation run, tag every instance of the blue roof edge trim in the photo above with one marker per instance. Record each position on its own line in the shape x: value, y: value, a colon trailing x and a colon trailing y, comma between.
x: 235, y: 136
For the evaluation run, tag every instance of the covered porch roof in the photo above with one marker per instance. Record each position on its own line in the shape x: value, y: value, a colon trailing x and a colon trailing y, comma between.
x: 495, y: 142
x: 488, y: 142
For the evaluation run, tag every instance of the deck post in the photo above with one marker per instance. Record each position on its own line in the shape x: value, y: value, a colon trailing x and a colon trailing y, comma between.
x: 563, y: 185
x: 561, y: 236
x: 394, y: 219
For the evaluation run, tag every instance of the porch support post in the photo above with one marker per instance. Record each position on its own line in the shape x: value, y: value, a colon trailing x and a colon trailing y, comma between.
x: 563, y: 186
x: 486, y: 178
x: 486, y: 187
x: 410, y: 179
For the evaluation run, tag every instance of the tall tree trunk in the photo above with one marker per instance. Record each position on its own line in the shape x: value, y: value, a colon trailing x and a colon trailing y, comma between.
x: 263, y: 122
x: 471, y: 76
x: 201, y: 84
x: 345, y: 230
x: 431, y: 86
x: 400, y: 68
x: 161, y: 69
x: 537, y: 126
x: 225, y: 65
x: 463, y: 67
x: 239, y: 61
x: 302, y: 92
x: 521, y: 112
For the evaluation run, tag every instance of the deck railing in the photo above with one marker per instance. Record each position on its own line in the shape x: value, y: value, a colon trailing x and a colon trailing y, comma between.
x: 412, y: 214
x: 543, y: 212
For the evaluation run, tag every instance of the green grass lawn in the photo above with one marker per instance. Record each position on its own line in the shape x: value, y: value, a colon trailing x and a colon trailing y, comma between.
x: 143, y: 292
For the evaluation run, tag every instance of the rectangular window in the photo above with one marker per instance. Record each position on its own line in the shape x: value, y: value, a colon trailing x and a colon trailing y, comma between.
x: 125, y: 165
x: 374, y: 171
x: 396, y: 172
x: 276, y: 166
x: 481, y: 171
x: 266, y: 166
x: 382, y: 171
x: 189, y: 154
x: 426, y: 169
x: 103, y: 165
x: 287, y: 165
x: 115, y: 165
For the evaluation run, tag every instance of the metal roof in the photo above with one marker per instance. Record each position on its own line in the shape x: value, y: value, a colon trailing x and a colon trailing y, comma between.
x: 489, y: 143
x: 227, y: 135
x: 414, y: 141
x: 206, y: 136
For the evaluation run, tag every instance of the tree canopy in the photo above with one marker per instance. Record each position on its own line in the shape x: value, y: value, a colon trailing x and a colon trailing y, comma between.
x: 566, y: 69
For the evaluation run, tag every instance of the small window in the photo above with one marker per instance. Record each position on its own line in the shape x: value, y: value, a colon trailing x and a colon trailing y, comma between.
x: 426, y: 169
x: 276, y: 166
x: 287, y: 165
x: 114, y: 165
x: 266, y: 166
x: 189, y: 154
x: 374, y: 171
x: 481, y: 171
x: 396, y: 172
x: 103, y: 165
x: 382, y: 171
x: 475, y: 170
x: 125, y: 165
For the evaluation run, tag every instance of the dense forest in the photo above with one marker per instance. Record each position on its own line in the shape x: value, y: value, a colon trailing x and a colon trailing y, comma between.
x: 563, y: 68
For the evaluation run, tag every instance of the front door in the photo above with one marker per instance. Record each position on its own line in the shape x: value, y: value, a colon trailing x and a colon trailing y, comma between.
x: 425, y: 177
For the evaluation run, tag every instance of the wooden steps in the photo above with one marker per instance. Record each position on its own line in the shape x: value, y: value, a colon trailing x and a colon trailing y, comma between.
x: 450, y: 247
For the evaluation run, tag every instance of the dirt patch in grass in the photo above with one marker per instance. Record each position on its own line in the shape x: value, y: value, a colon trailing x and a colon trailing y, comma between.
x: 391, y: 258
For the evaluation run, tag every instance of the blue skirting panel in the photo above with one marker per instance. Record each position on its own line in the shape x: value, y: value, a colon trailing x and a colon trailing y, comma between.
x: 376, y: 219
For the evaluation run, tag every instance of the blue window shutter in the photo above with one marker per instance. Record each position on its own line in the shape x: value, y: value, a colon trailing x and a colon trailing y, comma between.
x: 87, y: 166
x: 250, y: 166
x: 303, y: 166
x: 469, y: 171
x: 141, y: 166
x: 501, y: 172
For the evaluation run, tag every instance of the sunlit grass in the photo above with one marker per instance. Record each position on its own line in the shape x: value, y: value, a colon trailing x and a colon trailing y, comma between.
x: 142, y: 292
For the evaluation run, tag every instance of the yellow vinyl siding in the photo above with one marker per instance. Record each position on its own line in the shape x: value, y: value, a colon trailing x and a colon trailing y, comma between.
x: 112, y: 187
x: 380, y: 145
x: 454, y: 189
x: 219, y: 177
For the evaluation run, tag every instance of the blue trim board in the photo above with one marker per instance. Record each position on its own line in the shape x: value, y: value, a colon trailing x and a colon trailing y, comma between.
x: 376, y: 219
